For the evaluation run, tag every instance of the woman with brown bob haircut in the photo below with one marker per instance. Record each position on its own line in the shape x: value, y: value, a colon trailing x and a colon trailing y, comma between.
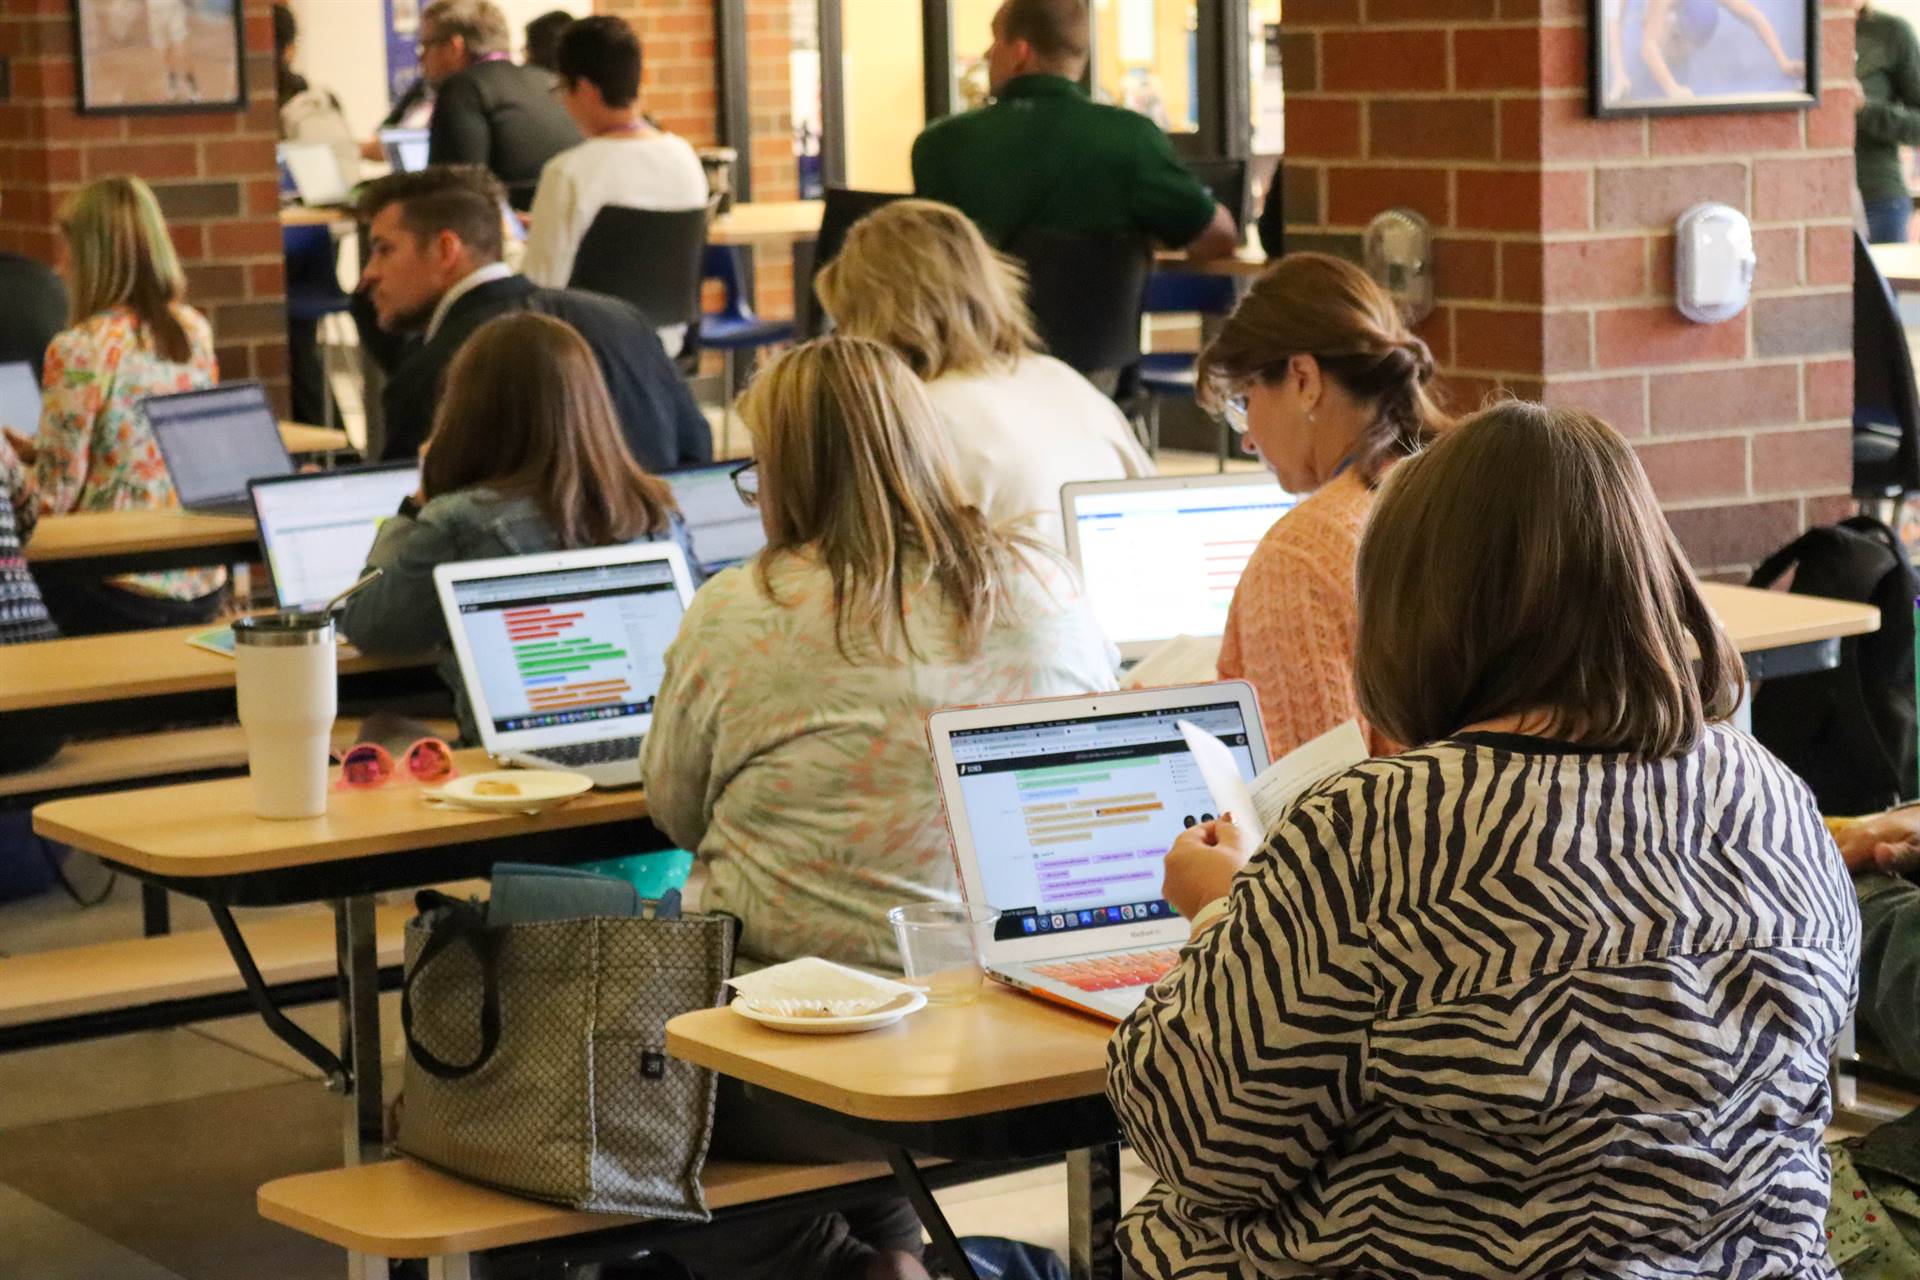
x: 525, y: 456
x: 1328, y: 386
x: 1550, y: 994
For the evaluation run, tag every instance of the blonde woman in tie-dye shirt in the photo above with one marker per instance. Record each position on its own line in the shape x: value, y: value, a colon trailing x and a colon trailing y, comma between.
x: 789, y: 744
x: 133, y: 336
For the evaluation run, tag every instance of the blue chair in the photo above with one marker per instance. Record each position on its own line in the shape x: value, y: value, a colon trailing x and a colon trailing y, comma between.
x: 1171, y: 374
x: 313, y: 293
x: 734, y: 327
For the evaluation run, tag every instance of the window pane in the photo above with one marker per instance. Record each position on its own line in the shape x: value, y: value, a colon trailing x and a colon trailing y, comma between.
x: 886, y: 91
x: 1147, y: 54
x: 803, y: 68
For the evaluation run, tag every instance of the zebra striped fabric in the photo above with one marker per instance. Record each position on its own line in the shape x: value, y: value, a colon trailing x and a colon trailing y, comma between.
x: 1502, y: 1007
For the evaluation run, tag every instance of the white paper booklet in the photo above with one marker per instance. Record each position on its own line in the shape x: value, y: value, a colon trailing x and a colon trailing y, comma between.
x: 1181, y: 660
x: 1273, y: 792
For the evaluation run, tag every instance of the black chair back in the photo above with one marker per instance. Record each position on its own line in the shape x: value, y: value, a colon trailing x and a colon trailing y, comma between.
x: 1886, y: 406
x: 1086, y: 292
x: 648, y: 257
x: 844, y: 206
x: 1227, y: 179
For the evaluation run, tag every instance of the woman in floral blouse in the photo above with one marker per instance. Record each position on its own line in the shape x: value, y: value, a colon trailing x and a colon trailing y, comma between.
x: 133, y: 336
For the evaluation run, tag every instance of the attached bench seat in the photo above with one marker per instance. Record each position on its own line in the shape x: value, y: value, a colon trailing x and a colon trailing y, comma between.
x: 72, y: 981
x: 404, y: 1209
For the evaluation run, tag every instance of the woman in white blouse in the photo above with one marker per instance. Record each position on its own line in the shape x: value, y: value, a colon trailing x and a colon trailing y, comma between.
x: 918, y: 276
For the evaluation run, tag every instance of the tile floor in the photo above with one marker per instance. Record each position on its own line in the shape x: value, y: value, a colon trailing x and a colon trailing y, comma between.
x: 137, y: 1157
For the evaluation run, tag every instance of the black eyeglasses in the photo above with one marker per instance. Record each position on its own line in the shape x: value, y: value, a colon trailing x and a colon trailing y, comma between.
x: 746, y: 482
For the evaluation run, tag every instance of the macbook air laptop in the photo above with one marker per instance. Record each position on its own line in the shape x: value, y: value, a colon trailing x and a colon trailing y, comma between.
x: 217, y: 441
x: 406, y: 149
x: 562, y: 654
x: 1160, y: 557
x: 315, y: 171
x: 19, y: 397
x: 1062, y: 811
x: 316, y: 529
x: 723, y: 530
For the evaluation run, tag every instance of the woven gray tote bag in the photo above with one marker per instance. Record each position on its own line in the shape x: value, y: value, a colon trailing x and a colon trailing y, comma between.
x: 536, y: 1055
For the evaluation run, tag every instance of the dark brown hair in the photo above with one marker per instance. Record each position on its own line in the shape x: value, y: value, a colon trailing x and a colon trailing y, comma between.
x: 1057, y: 29
x: 1520, y: 565
x: 1317, y: 305
x: 525, y: 412
x: 462, y: 198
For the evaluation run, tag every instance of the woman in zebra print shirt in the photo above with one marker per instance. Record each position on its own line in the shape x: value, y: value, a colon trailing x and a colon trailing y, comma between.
x: 1549, y: 996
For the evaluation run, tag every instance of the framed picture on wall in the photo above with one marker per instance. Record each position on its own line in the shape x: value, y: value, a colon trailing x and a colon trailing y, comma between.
x: 141, y: 56
x: 1676, y: 56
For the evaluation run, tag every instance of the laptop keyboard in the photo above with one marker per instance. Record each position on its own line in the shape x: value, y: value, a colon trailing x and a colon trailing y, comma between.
x: 1110, y: 973
x: 606, y: 751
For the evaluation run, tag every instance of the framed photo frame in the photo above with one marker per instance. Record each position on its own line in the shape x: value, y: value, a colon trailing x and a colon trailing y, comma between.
x: 1678, y: 57
x: 144, y: 57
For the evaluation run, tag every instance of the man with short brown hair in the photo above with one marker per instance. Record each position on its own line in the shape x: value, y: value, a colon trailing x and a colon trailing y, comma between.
x: 1044, y: 156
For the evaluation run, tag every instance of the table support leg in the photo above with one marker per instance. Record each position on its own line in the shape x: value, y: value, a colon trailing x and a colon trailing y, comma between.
x: 946, y: 1246
x: 453, y: 1266
x: 359, y: 962
x: 289, y: 1031
x: 1093, y: 1212
x: 155, y: 915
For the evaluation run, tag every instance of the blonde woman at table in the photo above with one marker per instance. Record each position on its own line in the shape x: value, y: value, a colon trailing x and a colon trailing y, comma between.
x: 525, y: 456
x: 1328, y: 386
x: 133, y: 336
x: 918, y: 276
x: 789, y: 745
x: 1550, y: 994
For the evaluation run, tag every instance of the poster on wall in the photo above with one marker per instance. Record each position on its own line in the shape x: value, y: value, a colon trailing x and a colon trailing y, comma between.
x: 1677, y: 56
x: 159, y: 55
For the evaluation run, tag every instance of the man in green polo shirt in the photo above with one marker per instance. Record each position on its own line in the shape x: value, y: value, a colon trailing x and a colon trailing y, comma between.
x: 1044, y: 155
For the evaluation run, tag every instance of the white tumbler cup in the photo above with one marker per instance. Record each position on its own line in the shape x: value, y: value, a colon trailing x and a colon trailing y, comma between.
x: 288, y: 689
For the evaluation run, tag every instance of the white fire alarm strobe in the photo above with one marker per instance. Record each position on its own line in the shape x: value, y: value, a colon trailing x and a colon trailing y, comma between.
x: 1713, y: 263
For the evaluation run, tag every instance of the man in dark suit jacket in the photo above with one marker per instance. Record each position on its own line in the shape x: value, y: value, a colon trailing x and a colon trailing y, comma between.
x: 433, y: 265
x: 488, y: 110
x: 36, y: 309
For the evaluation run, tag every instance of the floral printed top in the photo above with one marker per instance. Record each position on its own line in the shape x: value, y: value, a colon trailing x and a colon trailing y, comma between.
x: 95, y: 451
x: 802, y: 778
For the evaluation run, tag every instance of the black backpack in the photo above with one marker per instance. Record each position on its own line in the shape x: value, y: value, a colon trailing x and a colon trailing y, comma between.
x: 1848, y: 732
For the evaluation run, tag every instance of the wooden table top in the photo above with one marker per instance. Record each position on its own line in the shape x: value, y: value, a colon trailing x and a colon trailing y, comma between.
x: 947, y: 1062
x: 769, y: 222
x: 84, y: 535
x: 1761, y: 620
x: 1246, y: 261
x: 131, y: 664
x: 203, y: 829
x: 298, y: 215
x: 301, y: 438
x: 1899, y: 263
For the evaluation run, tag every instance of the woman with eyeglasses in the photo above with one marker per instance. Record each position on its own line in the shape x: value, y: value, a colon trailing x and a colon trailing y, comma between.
x: 525, y: 456
x: 1322, y: 378
x: 788, y: 746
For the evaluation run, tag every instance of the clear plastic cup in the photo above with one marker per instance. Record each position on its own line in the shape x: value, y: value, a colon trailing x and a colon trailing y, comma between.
x: 938, y: 948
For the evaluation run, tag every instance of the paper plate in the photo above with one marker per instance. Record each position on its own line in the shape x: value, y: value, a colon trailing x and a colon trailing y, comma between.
x: 885, y: 1016
x: 537, y: 788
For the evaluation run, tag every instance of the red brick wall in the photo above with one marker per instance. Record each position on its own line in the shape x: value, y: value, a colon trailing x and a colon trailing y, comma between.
x: 213, y: 172
x: 679, y: 87
x: 1554, y: 261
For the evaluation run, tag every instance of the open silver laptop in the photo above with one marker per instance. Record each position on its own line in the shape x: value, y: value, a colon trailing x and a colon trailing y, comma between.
x: 315, y: 170
x: 317, y: 528
x: 406, y: 149
x: 1062, y: 811
x: 19, y: 397
x: 1160, y: 557
x: 216, y: 442
x: 723, y: 530
x: 562, y: 654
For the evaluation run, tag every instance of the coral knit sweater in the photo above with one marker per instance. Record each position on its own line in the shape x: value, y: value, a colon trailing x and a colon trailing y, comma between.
x: 1291, y: 626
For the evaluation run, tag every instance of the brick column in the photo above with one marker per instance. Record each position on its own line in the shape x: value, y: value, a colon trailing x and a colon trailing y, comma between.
x: 213, y: 172
x: 1554, y: 260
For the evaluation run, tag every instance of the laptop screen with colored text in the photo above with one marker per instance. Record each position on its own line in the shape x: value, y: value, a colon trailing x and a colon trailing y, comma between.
x: 1162, y: 562
x: 1071, y: 820
x: 723, y: 529
x: 583, y: 646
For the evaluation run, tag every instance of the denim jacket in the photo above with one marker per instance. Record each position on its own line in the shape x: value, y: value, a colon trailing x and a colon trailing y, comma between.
x: 398, y: 615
